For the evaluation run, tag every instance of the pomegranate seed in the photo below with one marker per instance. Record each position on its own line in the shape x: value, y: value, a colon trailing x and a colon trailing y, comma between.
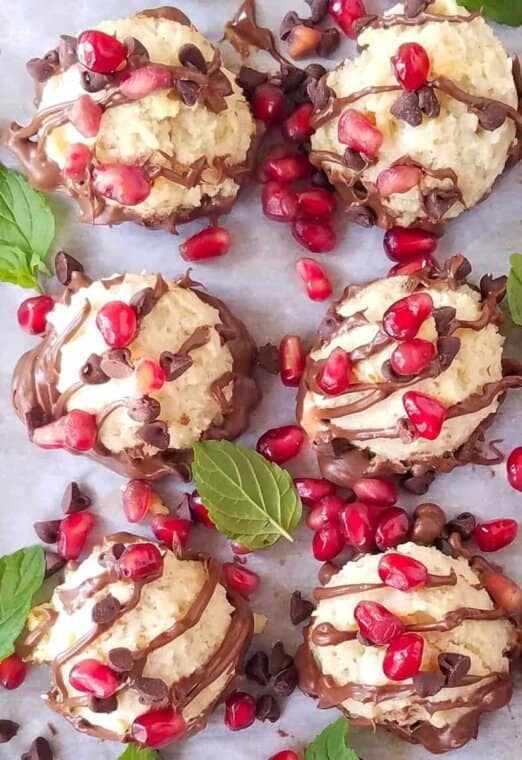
x: 376, y: 491
x: 403, y: 319
x: 377, y: 624
x: 207, y: 244
x: 357, y: 132
x: 240, y: 711
x: 291, y: 360
x: 421, y: 261
x: 285, y: 754
x: 150, y: 376
x: 141, y: 82
x: 425, y: 413
x: 77, y: 159
x: 117, y: 323
x: 514, y: 468
x: 240, y: 579
x: 140, y: 561
x: 279, y: 202
x: 73, y: 533
x: 398, y: 179
x: 357, y: 526
x: 312, y: 489
x: 281, y: 444
x: 32, y: 314
x: 325, y: 512
x: 199, y: 511
x: 334, y: 377
x: 504, y: 592
x: 171, y: 530
x: 269, y: 104
x: 345, y: 13
x: 317, y: 237
x: 157, y: 728
x: 278, y: 151
x: 297, y: 127
x: 403, y: 657
x: 137, y: 498
x: 317, y: 203
x: 100, y: 52
x: 12, y: 671
x: 240, y: 549
x: 402, y: 572
x: 85, y: 114
x: 315, y: 279
x: 327, y: 543
x: 403, y: 243
x: 93, y: 677
x: 496, y: 534
x: 411, y: 65
x: 392, y: 528
x: 76, y: 431
x: 288, y: 168
x: 412, y: 356
x: 303, y: 40
x: 124, y: 183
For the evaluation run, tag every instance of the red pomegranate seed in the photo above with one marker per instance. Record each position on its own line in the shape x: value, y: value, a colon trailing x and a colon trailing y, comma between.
x: 425, y: 413
x: 403, y: 319
x: 317, y: 237
x: 157, y: 728
x: 421, y: 261
x: 345, y: 13
x: 93, y: 677
x: 376, y: 491
x: 288, y: 168
x: 100, y: 52
x: 150, y: 376
x: 73, y: 533
x: 411, y: 65
x: 357, y: 132
x: 137, y: 498
x: 32, y: 314
x: 278, y: 151
x: 325, y: 512
x: 171, y: 531
x: 85, y: 114
x: 141, y: 82
x: 285, y: 754
x: 77, y: 159
x: 495, y: 534
x: 198, y: 511
x: 403, y: 657
x: 403, y: 243
x: 412, y: 356
x: 392, y: 528
x: 117, y: 323
x: 312, y: 489
x: 240, y: 549
x: 76, y: 431
x: 504, y: 591
x: 377, y: 624
x: 140, y: 561
x: 240, y: 579
x: 303, y: 40
x: 12, y: 671
x: 269, y: 104
x: 402, y: 572
x: 281, y: 444
x: 279, y: 202
x: 327, y: 543
x: 334, y: 377
x: 316, y: 203
x: 297, y: 127
x: 315, y: 279
x: 357, y: 526
x: 240, y: 711
x: 291, y: 360
x: 124, y: 183
x: 514, y: 468
x: 398, y: 179
x: 207, y: 244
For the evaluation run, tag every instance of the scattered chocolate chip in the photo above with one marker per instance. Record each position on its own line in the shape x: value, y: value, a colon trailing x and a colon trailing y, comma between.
x: 91, y: 373
x: 40, y: 750
x: 67, y: 51
x: 248, y: 79
x: 117, y: 363
x: 447, y: 349
x: 428, y: 524
x: 315, y: 71
x: 329, y: 43
x: 492, y: 116
x: 290, y: 20
x: 175, y: 365
x: 291, y: 77
x: 155, y: 434
x: 53, y: 563
x: 279, y: 659
x: 439, y: 202
x: 35, y: 418
x: 406, y: 108
x: 137, y: 53
x: 462, y: 272
x: 353, y: 160
x: 64, y: 266
x: 319, y: 93
x: 144, y: 409
x: 151, y: 690
x: 428, y: 684
x: 327, y: 571
x: 92, y: 82
x: 454, y: 667
x: 444, y: 316
x: 428, y: 102
x: 257, y: 668
x: 47, y: 530
x: 464, y: 524
x: 444, y: 546
x: 318, y: 10
x: 364, y: 216
x: 267, y: 708
x: 268, y: 358
x: 40, y: 69
x: 496, y: 286
x: 8, y: 729
x: 300, y: 609
x: 188, y: 91
x: 111, y: 556
x: 285, y: 682
x: 412, y: 8
x: 191, y: 57
x: 120, y: 659
x: 108, y: 705
x: 106, y: 610
x: 143, y: 301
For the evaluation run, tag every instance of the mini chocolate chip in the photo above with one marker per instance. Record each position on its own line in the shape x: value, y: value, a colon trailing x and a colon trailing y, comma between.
x: 74, y: 499
x: 8, y: 729
x: 64, y: 266
x: 300, y: 609
x: 144, y: 409
x: 188, y: 91
x: 40, y: 750
x: 428, y: 523
x: 116, y: 363
x: 454, y: 667
x: 412, y: 8
x: 290, y: 20
x: 329, y: 43
x: 285, y: 682
x: 120, y: 659
x: 496, y: 286
x: 151, y: 690
x: 318, y: 10
x: 492, y: 116
x: 279, y: 659
x: 353, y: 160
x: 428, y: 684
x: 108, y: 705
x: 155, y: 434
x: 111, y: 556
x: 406, y: 108
x: 53, y: 563
x: 447, y: 348
x: 137, y: 53
x: 91, y: 373
x: 67, y: 51
x: 35, y: 418
x: 444, y: 316
x: 47, y: 530
x: 291, y: 77
x: 315, y: 71
x: 428, y: 102
x: 444, y: 546
x: 248, y: 79
x: 419, y: 484
x: 257, y: 669
x: 462, y: 272
x: 364, y: 216
x: 464, y: 524
x: 175, y: 365
x: 191, y: 57
x: 268, y: 358
x: 93, y: 82
x: 439, y: 202
x: 106, y: 610
x: 319, y: 93
x: 143, y: 301
x: 40, y: 70
x: 267, y: 708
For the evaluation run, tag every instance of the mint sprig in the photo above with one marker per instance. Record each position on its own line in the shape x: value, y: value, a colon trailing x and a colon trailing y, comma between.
x: 133, y: 752
x: 250, y: 500
x: 331, y: 743
x: 504, y: 11
x: 21, y: 575
x: 514, y: 288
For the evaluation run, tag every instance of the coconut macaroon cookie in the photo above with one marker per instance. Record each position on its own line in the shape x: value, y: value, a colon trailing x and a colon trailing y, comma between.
x: 138, y: 120
x: 134, y: 370
x: 143, y: 644
x: 417, y: 128
x: 405, y: 375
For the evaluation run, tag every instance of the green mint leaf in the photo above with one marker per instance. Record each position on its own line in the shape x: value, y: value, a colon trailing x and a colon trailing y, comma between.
x: 21, y: 575
x: 250, y: 500
x: 133, y: 752
x: 514, y: 288
x: 504, y: 11
x: 26, y: 230
x: 331, y: 743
